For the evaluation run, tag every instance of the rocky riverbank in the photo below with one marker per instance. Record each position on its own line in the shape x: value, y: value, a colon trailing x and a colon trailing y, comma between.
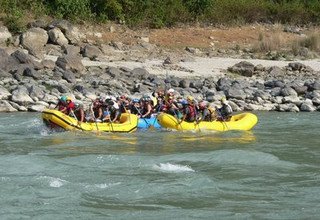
x: 50, y: 60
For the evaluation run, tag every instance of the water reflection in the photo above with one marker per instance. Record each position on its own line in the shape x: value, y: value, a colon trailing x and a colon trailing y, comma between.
x: 147, y: 142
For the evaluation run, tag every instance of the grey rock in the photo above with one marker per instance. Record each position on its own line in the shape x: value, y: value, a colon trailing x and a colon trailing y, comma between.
x: 34, y: 40
x: 71, y: 49
x: 63, y: 88
x: 314, y: 86
x: 184, y: 83
x: 292, y: 99
x: 69, y: 76
x: 92, y: 52
x: 262, y: 94
x: 36, y: 92
x: 196, y: 84
x: 296, y: 66
x: 5, y: 35
x: 279, y: 83
x: 243, y: 68
x: 113, y: 72
x: 30, y: 72
x: 288, y: 91
x: 307, y: 106
x: 276, y: 91
x: 48, y: 64
x: 140, y: 73
x: 24, y: 58
x: 288, y: 108
x: 71, y: 32
x: 37, y: 108
x: 235, y: 94
x: 4, y: 93
x: 174, y: 82
x: 275, y: 71
x: 6, y: 107
x: 316, y: 101
x: 70, y: 62
x: 21, y: 96
x: 4, y: 74
x: 57, y: 37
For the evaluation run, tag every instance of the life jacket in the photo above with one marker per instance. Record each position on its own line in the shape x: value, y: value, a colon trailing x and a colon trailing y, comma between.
x: 191, y: 116
x: 70, y: 107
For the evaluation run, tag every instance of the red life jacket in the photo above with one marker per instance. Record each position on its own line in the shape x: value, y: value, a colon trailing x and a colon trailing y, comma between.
x: 192, y: 113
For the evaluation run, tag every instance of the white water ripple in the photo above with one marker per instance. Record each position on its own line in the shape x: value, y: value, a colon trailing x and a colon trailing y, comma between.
x: 172, y: 168
x: 53, y: 181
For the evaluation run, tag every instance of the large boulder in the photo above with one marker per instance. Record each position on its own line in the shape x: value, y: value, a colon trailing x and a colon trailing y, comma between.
x: 307, y: 106
x: 235, y: 93
x: 140, y: 73
x: 69, y: 76
x: 7, y: 62
x: 70, y: 62
x: 57, y: 37
x: 5, y: 35
x: 21, y: 96
x: 290, y: 107
x: 36, y: 92
x: 6, y: 107
x: 24, y: 58
x: 275, y: 71
x: 288, y: 91
x: 92, y: 52
x: 71, y: 32
x: 34, y: 41
x: 4, y: 93
x: 243, y: 68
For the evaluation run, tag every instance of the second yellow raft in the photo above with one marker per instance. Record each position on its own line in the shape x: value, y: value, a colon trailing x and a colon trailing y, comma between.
x: 243, y: 121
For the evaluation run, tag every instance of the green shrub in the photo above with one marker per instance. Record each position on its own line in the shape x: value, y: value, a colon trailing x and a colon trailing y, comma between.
x: 70, y: 9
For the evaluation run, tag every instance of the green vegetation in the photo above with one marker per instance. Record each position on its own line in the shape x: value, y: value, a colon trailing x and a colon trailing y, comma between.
x: 161, y: 13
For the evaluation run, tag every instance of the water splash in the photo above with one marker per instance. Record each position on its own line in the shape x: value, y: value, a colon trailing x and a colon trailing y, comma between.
x: 53, y: 181
x: 173, y: 168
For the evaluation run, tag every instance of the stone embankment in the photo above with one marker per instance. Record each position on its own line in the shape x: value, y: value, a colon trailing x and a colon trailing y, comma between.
x: 48, y: 61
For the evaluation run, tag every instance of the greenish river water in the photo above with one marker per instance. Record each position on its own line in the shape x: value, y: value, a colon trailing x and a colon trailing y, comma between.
x: 271, y: 172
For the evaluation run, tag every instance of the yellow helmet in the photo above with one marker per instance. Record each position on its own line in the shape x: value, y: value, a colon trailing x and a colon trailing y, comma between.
x: 224, y: 100
x: 68, y: 98
x: 190, y: 98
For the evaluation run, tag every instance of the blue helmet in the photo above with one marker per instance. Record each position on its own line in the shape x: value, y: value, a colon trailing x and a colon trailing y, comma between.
x: 135, y: 100
x: 184, y: 102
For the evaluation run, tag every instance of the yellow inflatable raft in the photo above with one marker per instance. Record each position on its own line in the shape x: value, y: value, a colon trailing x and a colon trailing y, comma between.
x: 243, y: 121
x: 56, y: 119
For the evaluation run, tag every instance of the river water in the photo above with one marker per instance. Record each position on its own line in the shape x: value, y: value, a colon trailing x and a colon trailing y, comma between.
x: 271, y: 172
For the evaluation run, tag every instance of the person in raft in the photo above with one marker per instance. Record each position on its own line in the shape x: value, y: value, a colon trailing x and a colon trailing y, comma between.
x: 79, y: 112
x: 67, y: 107
x: 189, y: 110
x: 224, y: 113
x: 62, y: 103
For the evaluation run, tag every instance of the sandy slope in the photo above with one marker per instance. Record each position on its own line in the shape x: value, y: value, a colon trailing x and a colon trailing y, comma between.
x: 200, y: 67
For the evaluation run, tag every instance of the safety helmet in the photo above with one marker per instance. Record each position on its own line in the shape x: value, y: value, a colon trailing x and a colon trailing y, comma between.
x: 203, y: 104
x: 77, y: 105
x: 184, y: 102
x: 68, y: 98
x: 135, y: 100
x: 171, y: 91
x: 224, y: 100
x: 190, y: 98
x: 63, y: 98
